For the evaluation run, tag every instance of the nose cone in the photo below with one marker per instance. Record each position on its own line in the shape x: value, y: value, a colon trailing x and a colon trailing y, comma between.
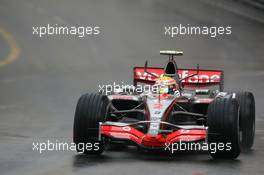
x: 154, y: 141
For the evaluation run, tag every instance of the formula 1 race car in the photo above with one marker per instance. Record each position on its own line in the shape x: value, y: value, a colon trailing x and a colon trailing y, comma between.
x: 179, y: 105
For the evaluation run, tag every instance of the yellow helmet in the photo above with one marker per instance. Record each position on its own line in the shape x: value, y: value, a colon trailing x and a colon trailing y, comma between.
x: 167, y: 85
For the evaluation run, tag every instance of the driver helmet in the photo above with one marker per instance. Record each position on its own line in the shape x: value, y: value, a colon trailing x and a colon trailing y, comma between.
x: 167, y: 85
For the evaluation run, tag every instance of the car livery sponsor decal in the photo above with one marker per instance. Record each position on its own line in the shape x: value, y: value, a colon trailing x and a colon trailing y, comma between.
x: 126, y: 128
x: 122, y: 97
x: 204, y: 76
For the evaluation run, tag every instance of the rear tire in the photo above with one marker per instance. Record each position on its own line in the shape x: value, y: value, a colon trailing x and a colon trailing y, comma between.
x: 90, y: 110
x: 223, y: 128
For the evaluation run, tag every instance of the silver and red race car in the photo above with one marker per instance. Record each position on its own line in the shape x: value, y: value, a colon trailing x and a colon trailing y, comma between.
x: 198, y: 111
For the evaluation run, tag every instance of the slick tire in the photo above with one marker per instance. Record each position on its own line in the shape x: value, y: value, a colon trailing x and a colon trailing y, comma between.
x: 247, y: 116
x: 90, y: 110
x: 223, y: 128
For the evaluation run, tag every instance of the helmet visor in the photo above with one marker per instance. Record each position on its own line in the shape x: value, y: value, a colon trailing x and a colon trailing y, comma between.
x: 164, y: 89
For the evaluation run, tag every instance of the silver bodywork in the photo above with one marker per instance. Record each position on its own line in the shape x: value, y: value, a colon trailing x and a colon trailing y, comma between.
x: 156, y: 113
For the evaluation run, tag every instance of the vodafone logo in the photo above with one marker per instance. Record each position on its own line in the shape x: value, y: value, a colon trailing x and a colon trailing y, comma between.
x: 126, y: 128
x: 204, y: 76
x: 200, y: 78
x: 144, y: 76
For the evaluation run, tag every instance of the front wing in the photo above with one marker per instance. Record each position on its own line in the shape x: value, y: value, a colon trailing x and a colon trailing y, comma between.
x: 130, y: 133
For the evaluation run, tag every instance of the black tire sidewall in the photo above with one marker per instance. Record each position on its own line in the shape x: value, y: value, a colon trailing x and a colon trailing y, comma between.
x: 90, y: 111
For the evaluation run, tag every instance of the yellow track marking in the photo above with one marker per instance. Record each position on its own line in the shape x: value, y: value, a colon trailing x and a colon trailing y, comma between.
x: 14, y: 50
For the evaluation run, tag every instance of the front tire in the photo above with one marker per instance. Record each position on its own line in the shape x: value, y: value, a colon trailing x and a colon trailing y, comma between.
x: 223, y: 128
x: 247, y: 115
x: 90, y: 110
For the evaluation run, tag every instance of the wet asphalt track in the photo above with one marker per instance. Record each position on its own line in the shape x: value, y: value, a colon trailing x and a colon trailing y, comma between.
x: 39, y: 90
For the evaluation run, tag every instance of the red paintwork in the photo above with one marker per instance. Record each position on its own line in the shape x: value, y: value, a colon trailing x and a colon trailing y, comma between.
x: 146, y: 140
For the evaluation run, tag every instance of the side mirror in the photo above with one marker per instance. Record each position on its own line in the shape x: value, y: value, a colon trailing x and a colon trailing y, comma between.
x: 197, y: 72
x: 198, y: 69
x: 146, y: 66
x: 146, y: 70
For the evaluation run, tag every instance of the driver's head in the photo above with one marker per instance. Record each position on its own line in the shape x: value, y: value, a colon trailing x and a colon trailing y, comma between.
x: 167, y: 85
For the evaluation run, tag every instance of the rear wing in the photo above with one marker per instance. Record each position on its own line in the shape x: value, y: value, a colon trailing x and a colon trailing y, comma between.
x: 205, y: 78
